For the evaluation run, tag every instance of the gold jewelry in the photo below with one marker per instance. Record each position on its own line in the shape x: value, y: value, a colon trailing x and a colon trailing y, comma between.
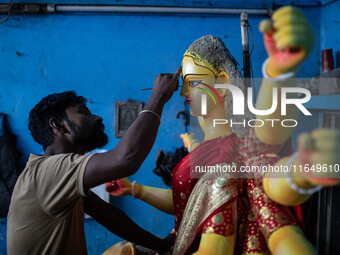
x: 159, y: 118
x: 292, y: 184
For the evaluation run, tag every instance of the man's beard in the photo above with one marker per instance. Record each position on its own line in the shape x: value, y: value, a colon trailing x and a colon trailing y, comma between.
x: 89, y: 137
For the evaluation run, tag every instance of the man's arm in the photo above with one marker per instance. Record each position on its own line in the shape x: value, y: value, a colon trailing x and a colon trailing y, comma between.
x: 133, y: 148
x: 121, y: 225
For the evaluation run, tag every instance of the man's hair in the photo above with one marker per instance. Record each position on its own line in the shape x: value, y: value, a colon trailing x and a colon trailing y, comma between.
x: 52, y: 106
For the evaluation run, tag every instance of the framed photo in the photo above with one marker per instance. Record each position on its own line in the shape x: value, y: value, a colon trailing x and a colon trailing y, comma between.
x: 126, y: 112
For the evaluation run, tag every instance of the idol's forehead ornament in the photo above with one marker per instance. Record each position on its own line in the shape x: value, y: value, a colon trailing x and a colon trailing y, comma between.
x: 199, y: 61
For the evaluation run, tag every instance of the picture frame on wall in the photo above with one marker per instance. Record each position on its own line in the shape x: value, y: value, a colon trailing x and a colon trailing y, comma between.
x: 126, y: 112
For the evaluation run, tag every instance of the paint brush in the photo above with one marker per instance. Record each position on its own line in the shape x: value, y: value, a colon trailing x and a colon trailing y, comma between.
x: 151, y: 88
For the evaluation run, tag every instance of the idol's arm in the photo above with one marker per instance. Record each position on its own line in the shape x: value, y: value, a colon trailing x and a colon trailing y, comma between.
x: 272, y: 132
x: 290, y: 240
x: 315, y: 164
x: 161, y: 199
x: 288, y: 41
x: 214, y: 244
x: 275, y: 183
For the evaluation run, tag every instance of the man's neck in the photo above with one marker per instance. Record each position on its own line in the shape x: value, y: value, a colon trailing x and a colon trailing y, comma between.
x: 56, y: 148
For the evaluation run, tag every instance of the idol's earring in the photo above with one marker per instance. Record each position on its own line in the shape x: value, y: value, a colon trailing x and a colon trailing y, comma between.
x: 222, y: 93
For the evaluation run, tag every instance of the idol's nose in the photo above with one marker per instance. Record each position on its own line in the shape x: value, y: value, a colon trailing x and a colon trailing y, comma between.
x: 184, y: 90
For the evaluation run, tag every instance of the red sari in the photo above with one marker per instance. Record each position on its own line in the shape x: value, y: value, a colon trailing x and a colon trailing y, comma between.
x: 222, y: 203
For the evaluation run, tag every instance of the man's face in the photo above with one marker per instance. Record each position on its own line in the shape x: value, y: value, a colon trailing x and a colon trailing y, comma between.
x: 86, y: 129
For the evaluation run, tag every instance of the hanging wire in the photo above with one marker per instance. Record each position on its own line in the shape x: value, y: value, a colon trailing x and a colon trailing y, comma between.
x: 5, y: 18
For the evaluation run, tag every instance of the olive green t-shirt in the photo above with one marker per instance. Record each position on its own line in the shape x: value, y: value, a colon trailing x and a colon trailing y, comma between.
x: 46, y: 215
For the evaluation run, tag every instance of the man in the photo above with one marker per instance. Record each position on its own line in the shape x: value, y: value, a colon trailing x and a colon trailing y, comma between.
x: 52, y: 193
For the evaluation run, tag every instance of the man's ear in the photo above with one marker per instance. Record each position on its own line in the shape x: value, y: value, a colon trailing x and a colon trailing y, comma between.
x: 57, y: 125
x: 222, y: 78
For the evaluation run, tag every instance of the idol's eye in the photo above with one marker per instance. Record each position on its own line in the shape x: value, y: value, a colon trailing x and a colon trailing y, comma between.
x: 194, y: 83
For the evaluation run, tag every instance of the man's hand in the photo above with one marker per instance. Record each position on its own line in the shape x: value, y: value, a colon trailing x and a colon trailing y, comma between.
x: 165, y: 85
x: 119, y: 188
x: 319, y: 156
x: 288, y: 39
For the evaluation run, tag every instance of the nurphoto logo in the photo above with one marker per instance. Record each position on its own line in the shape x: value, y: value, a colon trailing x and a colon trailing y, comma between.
x: 239, y: 105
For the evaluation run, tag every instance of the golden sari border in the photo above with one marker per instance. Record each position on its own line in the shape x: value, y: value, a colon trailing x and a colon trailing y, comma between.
x: 210, y: 193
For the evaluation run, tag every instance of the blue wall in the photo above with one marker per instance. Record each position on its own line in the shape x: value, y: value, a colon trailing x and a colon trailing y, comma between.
x: 330, y: 27
x: 109, y: 58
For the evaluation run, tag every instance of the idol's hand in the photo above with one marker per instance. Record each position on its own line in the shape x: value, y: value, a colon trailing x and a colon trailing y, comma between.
x: 187, y: 138
x: 121, y: 248
x: 165, y: 84
x: 319, y: 156
x: 288, y: 39
x: 119, y: 188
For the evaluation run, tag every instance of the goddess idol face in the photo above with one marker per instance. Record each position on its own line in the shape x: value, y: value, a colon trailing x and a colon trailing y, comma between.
x: 199, y: 78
